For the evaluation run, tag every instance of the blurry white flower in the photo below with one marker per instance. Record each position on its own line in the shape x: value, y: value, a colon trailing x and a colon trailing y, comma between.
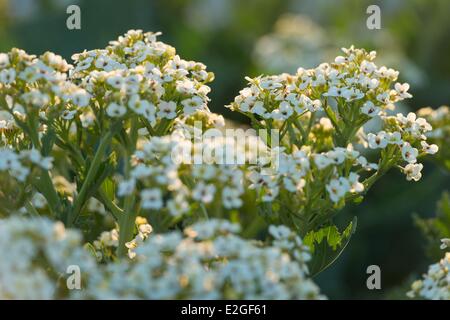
x: 151, y: 199
x: 430, y: 149
x: 115, y: 110
x: 167, y: 109
x: 413, y: 171
x: 204, y: 192
x: 337, y: 188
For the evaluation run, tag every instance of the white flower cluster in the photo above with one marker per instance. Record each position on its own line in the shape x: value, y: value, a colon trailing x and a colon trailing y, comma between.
x: 435, y: 284
x: 320, y: 113
x: 18, y: 164
x: 35, y: 256
x: 144, y: 230
x: 209, y: 262
x: 302, y: 167
x: 40, y: 85
x: 440, y: 120
x: 105, y: 247
x: 402, y: 133
x: 353, y: 78
x: 176, y: 171
x: 143, y: 75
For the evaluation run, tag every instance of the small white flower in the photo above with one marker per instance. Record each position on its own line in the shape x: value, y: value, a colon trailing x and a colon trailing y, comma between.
x: 370, y: 109
x: 334, y: 92
x: 350, y: 94
x: 413, y: 171
x: 4, y: 60
x: 116, y: 81
x: 126, y: 187
x: 139, y: 106
x: 337, y: 188
x: 409, y: 153
x: 192, y: 104
x: 7, y: 76
x: 377, y: 141
x: 231, y: 198
x: 87, y: 119
x: 293, y: 185
x: 204, y: 192
x: 429, y: 148
x: 167, y: 109
x: 151, y: 198
x: 394, y: 138
x: 445, y: 243
x: 68, y: 114
x: 38, y: 200
x: 145, y: 229
x: 283, y: 112
x: 337, y: 156
x: 322, y: 161
x: 384, y: 98
x: 270, y: 84
x: 80, y: 98
x: 259, y: 109
x: 115, y: 110
x: 84, y: 64
x: 279, y: 232
x: 388, y: 73
x: 355, y: 185
x: 368, y: 67
x: 402, y: 90
x: 185, y: 86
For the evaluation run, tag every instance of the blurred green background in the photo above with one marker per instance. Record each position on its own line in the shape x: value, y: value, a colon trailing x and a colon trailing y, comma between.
x: 236, y: 38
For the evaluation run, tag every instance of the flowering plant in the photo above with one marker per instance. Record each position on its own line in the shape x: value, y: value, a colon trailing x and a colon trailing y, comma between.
x: 435, y: 284
x: 126, y: 133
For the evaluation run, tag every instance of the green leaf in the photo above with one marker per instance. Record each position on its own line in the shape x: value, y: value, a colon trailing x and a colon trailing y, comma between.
x: 327, y: 244
x: 108, y: 187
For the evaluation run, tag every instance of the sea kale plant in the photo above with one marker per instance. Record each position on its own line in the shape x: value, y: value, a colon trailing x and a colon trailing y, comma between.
x: 320, y: 114
x: 123, y: 147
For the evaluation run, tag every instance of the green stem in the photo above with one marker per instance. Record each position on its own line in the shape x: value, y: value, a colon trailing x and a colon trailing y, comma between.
x: 31, y: 209
x: 127, y: 219
x: 302, y: 131
x: 109, y: 204
x: 332, y: 116
x: 126, y: 225
x: 92, y: 172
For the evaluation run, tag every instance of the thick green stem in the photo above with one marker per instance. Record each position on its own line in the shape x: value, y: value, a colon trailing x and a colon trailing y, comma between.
x: 127, y: 219
x: 126, y: 225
